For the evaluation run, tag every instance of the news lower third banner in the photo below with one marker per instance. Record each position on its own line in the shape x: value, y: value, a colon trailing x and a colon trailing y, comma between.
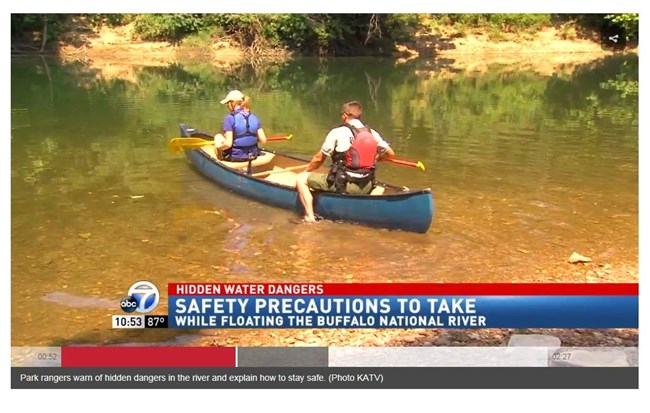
x: 403, y: 305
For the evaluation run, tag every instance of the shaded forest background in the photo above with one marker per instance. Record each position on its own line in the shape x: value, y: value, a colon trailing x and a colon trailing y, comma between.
x: 307, y: 34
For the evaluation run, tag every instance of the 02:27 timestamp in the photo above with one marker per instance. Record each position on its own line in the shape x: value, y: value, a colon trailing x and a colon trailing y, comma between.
x: 561, y: 355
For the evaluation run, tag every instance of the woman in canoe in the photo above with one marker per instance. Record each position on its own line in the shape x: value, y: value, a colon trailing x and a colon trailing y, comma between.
x: 242, y: 130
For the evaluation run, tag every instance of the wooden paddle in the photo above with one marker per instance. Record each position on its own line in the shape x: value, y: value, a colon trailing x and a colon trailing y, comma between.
x: 417, y: 164
x: 179, y: 144
x: 289, y: 169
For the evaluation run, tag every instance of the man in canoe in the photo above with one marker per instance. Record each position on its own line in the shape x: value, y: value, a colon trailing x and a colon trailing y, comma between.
x: 355, y: 149
x: 242, y: 130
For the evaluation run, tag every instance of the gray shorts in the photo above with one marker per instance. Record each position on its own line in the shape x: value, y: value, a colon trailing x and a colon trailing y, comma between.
x: 318, y: 182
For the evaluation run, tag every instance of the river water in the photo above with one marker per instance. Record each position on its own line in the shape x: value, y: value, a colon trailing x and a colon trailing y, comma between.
x: 525, y: 169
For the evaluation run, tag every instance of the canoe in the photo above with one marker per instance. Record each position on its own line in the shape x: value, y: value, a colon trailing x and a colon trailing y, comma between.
x: 271, y: 178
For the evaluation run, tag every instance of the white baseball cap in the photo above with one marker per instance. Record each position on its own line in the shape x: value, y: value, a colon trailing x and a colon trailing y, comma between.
x: 233, y: 96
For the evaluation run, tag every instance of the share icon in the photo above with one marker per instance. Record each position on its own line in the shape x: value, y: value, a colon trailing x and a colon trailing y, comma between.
x: 612, y: 38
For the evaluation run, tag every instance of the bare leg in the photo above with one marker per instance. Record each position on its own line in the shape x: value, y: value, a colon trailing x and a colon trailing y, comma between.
x: 306, y: 198
x: 219, y: 141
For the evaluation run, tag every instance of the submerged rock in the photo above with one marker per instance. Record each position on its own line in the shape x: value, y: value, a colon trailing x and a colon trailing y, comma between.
x: 576, y: 258
x: 534, y: 340
x: 71, y: 300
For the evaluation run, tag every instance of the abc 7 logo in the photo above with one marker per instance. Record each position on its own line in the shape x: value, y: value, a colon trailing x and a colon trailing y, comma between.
x: 142, y: 297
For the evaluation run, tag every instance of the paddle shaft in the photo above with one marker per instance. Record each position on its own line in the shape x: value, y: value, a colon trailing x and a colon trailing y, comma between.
x: 402, y: 162
x: 178, y: 144
x: 289, y: 169
x: 198, y: 141
x: 278, y: 138
x: 405, y: 163
x: 293, y: 168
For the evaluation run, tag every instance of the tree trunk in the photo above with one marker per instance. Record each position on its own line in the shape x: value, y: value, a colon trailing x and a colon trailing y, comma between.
x: 44, y: 35
x: 373, y: 28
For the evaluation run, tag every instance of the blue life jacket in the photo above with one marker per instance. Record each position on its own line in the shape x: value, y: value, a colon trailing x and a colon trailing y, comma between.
x: 244, y: 139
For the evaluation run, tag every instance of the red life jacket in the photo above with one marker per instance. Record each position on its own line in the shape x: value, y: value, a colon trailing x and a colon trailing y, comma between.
x: 357, y: 164
x: 363, y: 151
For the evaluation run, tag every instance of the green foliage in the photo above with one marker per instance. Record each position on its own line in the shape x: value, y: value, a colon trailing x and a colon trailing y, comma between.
x: 296, y: 31
x: 625, y: 83
x: 628, y: 21
x: 516, y: 22
x: 400, y: 26
x: 24, y: 24
x: 168, y: 27
x: 21, y: 23
x: 624, y: 87
x: 246, y: 29
x: 508, y: 22
x: 322, y: 34
x: 495, y: 24
x: 305, y: 33
x: 593, y: 23
x: 111, y: 19
x: 203, y: 39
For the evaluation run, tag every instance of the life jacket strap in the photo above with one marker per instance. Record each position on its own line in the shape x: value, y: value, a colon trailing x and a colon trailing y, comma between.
x: 248, y: 126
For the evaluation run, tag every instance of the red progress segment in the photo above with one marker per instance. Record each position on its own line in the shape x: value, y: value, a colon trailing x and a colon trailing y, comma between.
x: 148, y: 357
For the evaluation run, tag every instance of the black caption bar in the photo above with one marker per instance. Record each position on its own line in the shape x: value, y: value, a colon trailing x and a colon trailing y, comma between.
x: 326, y: 378
x: 155, y: 321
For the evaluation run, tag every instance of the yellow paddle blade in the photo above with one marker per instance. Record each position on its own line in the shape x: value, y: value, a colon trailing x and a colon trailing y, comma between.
x: 420, y: 165
x: 180, y: 144
x: 172, y: 146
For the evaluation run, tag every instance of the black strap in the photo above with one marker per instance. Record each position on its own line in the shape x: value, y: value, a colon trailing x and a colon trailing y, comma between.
x: 355, y: 130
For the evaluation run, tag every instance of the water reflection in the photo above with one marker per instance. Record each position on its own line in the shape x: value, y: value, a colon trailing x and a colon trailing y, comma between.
x: 525, y: 169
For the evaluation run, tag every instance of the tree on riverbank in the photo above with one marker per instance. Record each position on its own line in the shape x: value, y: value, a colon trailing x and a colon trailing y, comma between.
x: 306, y: 34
